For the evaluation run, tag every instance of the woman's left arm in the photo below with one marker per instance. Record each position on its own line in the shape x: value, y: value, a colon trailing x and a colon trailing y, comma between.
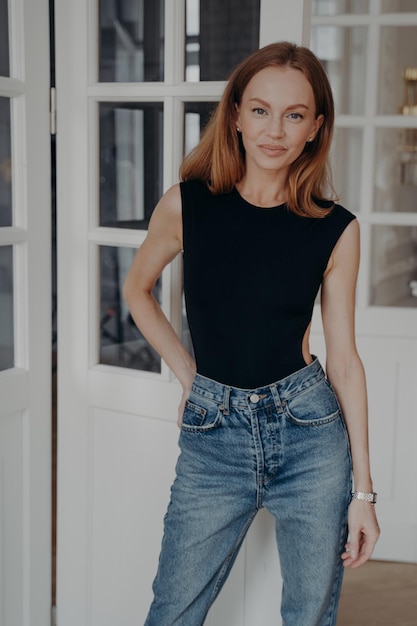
x: 346, y: 374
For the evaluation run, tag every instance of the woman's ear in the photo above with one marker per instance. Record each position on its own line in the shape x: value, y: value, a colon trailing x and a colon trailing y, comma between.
x: 317, y: 124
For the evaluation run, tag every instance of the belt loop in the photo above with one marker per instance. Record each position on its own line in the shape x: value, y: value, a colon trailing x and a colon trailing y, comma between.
x: 226, y: 400
x: 276, y: 397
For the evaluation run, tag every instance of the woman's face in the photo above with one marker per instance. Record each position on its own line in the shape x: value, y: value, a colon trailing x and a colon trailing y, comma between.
x: 276, y: 117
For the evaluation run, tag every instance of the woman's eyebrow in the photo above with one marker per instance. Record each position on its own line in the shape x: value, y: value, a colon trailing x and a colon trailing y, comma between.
x: 292, y: 106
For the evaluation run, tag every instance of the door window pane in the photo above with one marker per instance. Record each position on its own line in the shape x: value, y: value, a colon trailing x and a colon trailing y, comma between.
x: 398, y: 53
x: 4, y: 38
x: 6, y: 308
x: 395, y: 186
x: 219, y: 35
x: 398, y: 6
x: 338, y: 7
x: 5, y: 164
x: 394, y: 266
x: 343, y: 54
x: 121, y: 343
x: 131, y: 155
x: 196, y: 117
x: 131, y: 40
x: 346, y: 159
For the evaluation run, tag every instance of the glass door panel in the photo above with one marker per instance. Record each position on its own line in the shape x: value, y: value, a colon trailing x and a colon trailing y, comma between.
x: 131, y: 154
x: 398, y: 6
x: 342, y: 51
x: 6, y: 252
x: 4, y: 39
x: 371, y: 61
x: 218, y: 36
x: 5, y: 164
x: 121, y: 343
x: 132, y: 138
x: 398, y: 52
x: 196, y: 117
x: 6, y: 308
x: 395, y: 188
x: 337, y: 7
x: 131, y: 41
x: 394, y: 266
x: 347, y: 171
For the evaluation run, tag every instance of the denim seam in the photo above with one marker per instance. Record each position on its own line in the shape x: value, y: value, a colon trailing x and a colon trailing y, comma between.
x: 333, y: 604
x: 225, y: 568
x: 304, y: 389
x: 321, y: 421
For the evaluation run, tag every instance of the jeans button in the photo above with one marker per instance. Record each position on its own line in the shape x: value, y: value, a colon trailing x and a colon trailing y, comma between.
x: 254, y: 398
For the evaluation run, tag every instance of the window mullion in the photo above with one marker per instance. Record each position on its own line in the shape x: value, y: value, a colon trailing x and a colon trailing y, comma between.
x: 174, y: 41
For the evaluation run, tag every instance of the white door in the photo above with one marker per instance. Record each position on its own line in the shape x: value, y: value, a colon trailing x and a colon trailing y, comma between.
x: 25, y: 310
x: 123, y: 106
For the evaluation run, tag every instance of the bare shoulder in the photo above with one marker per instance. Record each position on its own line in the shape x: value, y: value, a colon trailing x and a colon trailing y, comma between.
x: 346, y: 250
x: 171, y: 200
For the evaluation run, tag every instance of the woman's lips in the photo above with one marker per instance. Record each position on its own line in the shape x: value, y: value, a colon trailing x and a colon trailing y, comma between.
x: 272, y: 150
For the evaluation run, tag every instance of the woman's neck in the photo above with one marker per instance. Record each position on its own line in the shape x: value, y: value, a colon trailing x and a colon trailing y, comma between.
x: 266, y: 191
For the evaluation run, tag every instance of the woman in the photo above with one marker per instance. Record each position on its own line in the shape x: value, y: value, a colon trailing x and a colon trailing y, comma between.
x: 261, y: 424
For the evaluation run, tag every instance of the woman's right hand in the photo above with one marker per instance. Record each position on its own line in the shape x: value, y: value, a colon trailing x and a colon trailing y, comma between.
x: 181, y: 406
x: 186, y: 390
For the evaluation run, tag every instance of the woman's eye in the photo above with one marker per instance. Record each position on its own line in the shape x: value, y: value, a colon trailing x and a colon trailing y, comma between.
x: 259, y: 111
x: 295, y: 116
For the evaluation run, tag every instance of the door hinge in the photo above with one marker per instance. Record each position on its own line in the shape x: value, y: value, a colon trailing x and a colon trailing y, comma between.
x: 53, y: 616
x: 52, y: 110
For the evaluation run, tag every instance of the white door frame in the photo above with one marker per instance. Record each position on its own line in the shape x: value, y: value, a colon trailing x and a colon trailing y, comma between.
x: 25, y: 390
x: 92, y: 396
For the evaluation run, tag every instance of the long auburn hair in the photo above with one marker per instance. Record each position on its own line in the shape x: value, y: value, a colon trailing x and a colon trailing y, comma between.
x: 219, y: 158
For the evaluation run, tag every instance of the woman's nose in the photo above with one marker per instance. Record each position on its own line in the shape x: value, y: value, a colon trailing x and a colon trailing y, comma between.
x: 275, y: 127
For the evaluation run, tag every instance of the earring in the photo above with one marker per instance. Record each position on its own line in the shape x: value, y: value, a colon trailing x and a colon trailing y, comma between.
x: 238, y: 129
x: 310, y: 139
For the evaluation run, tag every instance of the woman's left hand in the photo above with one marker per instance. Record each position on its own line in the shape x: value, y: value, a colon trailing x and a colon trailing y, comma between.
x: 363, y: 533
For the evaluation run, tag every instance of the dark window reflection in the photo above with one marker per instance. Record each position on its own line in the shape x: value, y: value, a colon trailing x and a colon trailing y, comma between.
x: 131, y: 40
x: 5, y: 164
x: 121, y: 343
x: 131, y: 156
x: 197, y: 114
x: 219, y: 35
x: 4, y: 39
x: 6, y: 308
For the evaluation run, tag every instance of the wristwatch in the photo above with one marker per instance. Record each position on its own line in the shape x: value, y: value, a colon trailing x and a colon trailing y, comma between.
x: 362, y: 495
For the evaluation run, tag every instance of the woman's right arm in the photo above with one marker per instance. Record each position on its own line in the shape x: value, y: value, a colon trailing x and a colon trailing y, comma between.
x: 162, y: 244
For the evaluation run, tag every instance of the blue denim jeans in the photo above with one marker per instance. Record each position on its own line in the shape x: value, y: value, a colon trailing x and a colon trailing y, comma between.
x: 283, y: 447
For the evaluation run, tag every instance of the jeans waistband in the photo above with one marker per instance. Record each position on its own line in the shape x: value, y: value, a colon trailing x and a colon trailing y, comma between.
x: 278, y: 392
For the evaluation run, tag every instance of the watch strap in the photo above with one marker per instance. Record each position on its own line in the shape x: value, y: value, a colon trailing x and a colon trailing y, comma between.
x: 363, y: 495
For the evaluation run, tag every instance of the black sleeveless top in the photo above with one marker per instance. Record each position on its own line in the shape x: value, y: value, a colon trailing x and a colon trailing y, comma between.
x: 251, y: 276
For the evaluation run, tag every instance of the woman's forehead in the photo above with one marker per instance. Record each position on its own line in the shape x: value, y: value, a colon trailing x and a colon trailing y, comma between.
x: 283, y: 83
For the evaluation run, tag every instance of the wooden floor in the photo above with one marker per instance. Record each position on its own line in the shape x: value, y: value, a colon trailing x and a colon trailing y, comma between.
x: 379, y: 593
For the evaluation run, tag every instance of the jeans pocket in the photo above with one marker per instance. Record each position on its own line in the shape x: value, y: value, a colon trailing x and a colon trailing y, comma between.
x: 200, y: 414
x: 314, y: 406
